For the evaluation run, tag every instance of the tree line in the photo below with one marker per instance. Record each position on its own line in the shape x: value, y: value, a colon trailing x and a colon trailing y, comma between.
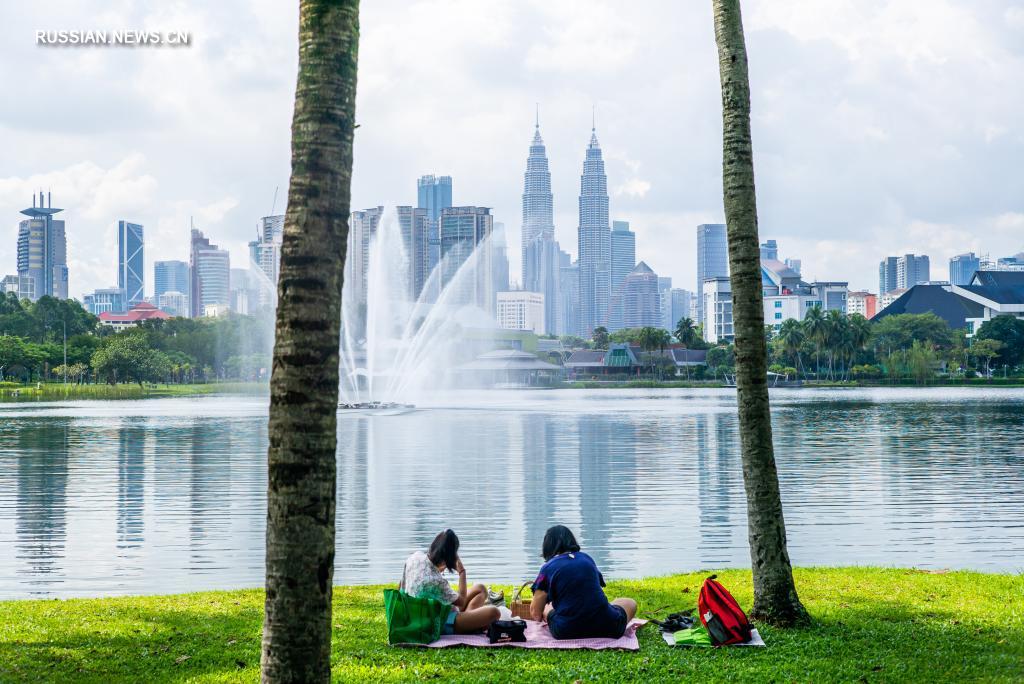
x: 52, y: 339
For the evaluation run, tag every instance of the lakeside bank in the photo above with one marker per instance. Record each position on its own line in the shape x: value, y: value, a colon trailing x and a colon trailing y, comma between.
x: 869, y: 624
x: 55, y: 391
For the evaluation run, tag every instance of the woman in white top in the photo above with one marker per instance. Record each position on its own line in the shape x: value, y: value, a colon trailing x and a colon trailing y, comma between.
x: 422, y: 578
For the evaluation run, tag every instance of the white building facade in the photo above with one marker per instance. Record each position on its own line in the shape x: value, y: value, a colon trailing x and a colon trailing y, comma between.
x: 521, y: 310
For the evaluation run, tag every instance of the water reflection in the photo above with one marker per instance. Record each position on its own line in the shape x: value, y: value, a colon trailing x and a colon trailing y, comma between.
x: 147, y: 497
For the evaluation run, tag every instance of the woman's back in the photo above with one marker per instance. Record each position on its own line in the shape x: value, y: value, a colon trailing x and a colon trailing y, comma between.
x: 573, y: 584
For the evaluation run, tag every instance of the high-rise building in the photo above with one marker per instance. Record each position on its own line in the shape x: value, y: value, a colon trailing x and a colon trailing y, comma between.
x: 962, y: 268
x: 362, y: 229
x: 210, y: 270
x: 265, y: 259
x: 539, y: 251
x: 911, y: 270
x: 106, y: 300
x: 770, y: 250
x: 130, y: 262
x: 415, y: 223
x: 462, y: 231
x: 170, y: 276
x: 521, y: 310
x: 665, y: 302
x: 499, y: 259
x: 43, y: 251
x: 569, y: 295
x: 717, y: 308
x: 712, y: 259
x: 541, y: 260
x: 640, y: 298
x: 23, y: 287
x: 173, y: 302
x: 623, y: 246
x: 902, y: 272
x: 434, y: 193
x: 681, y: 306
x: 594, y: 241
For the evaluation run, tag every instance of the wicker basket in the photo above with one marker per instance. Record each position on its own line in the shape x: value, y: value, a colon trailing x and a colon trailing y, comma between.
x: 520, y: 608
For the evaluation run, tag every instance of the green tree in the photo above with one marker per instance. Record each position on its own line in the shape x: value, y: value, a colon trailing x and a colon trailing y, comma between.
x: 791, y: 337
x: 305, y: 377
x: 902, y: 330
x: 127, y: 357
x: 600, y: 337
x: 1010, y: 331
x: 816, y: 330
x: 686, y: 332
x: 775, y: 596
x: 984, y: 350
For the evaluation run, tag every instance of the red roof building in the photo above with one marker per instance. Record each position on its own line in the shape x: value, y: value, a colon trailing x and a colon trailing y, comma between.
x: 143, y: 311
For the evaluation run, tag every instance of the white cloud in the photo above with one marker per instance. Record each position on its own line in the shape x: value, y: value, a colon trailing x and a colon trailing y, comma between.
x: 879, y: 125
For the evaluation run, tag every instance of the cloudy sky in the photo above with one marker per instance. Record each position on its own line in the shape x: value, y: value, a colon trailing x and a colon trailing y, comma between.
x: 880, y: 126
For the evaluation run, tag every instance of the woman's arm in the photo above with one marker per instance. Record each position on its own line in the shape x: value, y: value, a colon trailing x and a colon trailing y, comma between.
x: 540, y: 599
x: 463, y: 599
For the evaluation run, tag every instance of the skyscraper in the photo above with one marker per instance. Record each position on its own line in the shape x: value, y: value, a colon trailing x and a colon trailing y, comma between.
x: 462, y: 231
x: 623, y: 246
x: 594, y: 241
x: 362, y: 229
x: 130, y: 262
x: 42, y: 251
x: 415, y: 226
x: 169, y: 276
x: 539, y: 251
x: 887, y: 275
x: 712, y: 258
x: 210, y: 270
x: 568, y: 295
x: 434, y: 193
x: 911, y: 270
x: 962, y: 268
x: 665, y: 300
x: 499, y: 260
x: 641, y: 301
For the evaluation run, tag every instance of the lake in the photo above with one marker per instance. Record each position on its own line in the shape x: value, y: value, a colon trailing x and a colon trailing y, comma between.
x: 168, y: 495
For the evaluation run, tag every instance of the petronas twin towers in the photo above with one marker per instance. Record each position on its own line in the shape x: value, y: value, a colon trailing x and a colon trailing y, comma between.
x: 542, y: 258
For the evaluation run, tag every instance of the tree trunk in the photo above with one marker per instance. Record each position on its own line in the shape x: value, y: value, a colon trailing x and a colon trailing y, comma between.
x: 775, y: 597
x: 304, y: 380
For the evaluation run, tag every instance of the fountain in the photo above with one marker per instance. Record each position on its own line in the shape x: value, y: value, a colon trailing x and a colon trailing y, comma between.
x: 396, y: 347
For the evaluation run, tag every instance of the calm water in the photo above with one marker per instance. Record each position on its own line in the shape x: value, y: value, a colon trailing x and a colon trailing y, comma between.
x: 168, y: 495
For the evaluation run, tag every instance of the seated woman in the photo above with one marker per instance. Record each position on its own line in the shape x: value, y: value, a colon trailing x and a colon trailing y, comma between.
x: 568, y: 594
x: 422, y: 578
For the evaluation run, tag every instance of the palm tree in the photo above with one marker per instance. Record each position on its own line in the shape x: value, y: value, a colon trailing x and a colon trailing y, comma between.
x: 685, y: 331
x: 860, y: 333
x: 791, y: 333
x: 816, y: 330
x: 775, y: 597
x: 835, y: 337
x: 304, y: 381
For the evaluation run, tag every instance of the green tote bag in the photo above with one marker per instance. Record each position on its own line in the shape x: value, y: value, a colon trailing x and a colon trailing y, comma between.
x: 413, y: 620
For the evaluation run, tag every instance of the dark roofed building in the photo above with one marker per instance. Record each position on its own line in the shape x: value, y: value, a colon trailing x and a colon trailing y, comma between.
x: 936, y: 299
x: 994, y: 293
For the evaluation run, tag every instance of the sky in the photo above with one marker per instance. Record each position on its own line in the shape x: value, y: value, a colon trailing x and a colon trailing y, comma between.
x: 880, y: 126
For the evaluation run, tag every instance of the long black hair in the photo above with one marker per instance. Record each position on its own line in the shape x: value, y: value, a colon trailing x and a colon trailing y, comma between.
x: 558, y: 539
x: 444, y: 549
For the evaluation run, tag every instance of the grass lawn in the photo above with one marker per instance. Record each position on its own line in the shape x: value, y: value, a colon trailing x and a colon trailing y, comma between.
x: 870, y: 625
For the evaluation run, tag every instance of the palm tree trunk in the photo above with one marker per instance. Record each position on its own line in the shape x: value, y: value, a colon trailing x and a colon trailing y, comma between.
x: 775, y: 597
x: 304, y: 381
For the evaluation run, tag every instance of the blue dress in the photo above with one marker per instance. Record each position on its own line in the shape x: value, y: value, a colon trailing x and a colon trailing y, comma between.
x: 581, y: 610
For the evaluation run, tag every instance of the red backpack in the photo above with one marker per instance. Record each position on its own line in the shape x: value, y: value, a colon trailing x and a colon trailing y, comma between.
x: 721, y: 615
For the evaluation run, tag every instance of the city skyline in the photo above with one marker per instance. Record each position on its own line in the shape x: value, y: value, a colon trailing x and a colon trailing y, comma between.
x: 911, y: 180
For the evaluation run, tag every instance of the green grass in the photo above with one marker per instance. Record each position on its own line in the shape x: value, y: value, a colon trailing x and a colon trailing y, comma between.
x: 870, y: 625
x: 55, y: 391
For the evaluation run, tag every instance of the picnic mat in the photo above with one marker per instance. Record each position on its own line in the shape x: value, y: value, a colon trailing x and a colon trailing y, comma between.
x: 755, y: 639
x: 539, y: 636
